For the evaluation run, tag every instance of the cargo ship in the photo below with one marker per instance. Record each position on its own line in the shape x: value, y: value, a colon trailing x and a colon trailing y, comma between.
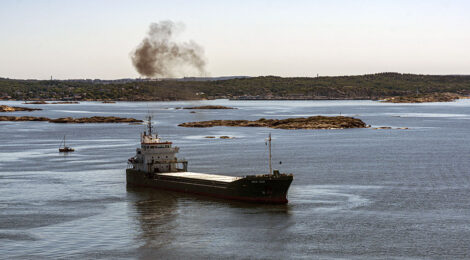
x: 155, y: 165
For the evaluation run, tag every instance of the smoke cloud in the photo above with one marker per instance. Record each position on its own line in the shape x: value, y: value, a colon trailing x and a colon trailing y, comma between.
x: 159, y: 55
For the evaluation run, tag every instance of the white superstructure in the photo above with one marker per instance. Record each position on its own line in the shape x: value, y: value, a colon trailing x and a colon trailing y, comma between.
x: 158, y: 157
x: 155, y: 155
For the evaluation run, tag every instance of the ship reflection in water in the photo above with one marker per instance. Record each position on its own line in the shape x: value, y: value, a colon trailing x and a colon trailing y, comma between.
x: 168, y: 219
x: 155, y: 211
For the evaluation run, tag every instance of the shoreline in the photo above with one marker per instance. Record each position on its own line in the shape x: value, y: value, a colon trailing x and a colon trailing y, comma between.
x: 382, y: 100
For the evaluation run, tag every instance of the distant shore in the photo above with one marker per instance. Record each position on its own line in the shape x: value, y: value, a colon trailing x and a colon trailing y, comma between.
x: 425, y: 98
x: 377, y: 86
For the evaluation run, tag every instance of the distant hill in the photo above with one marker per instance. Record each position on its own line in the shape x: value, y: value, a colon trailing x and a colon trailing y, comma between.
x: 370, y: 86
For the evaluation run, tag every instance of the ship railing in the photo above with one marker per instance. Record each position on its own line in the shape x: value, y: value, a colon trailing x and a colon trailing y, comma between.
x: 175, y: 160
x: 130, y: 165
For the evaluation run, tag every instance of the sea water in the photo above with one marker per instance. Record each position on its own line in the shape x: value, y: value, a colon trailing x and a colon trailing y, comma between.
x: 356, y: 194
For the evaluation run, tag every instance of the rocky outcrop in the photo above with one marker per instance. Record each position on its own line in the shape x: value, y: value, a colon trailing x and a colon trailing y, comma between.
x: 314, y: 122
x: 4, y: 108
x: 389, y: 128
x: 422, y: 98
x: 23, y: 118
x: 41, y: 102
x: 65, y: 102
x: 210, y: 107
x: 95, y: 119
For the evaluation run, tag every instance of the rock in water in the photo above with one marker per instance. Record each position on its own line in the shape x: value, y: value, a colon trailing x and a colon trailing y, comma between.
x: 314, y: 122
x: 23, y: 118
x: 210, y: 107
x: 4, y: 108
x: 95, y: 119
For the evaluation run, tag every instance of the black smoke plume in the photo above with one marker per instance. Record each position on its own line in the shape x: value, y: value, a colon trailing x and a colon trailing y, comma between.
x: 159, y: 55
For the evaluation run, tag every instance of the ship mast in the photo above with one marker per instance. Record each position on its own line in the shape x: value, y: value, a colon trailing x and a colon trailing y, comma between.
x: 270, y: 156
x: 149, y: 126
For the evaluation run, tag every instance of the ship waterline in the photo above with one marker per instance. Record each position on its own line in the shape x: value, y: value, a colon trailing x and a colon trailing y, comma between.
x: 256, y: 188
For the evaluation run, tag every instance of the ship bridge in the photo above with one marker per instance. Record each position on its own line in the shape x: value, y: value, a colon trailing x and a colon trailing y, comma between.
x: 156, y: 155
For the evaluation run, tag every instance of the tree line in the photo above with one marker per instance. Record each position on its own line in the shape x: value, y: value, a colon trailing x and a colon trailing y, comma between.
x: 370, y: 86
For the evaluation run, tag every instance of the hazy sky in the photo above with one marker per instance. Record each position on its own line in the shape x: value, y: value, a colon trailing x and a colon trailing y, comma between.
x: 93, y: 39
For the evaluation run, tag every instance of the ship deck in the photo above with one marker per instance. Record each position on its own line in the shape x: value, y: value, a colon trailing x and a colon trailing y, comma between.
x: 202, y: 176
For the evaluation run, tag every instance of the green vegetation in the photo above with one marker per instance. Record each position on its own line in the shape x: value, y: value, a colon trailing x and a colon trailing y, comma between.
x: 373, y: 86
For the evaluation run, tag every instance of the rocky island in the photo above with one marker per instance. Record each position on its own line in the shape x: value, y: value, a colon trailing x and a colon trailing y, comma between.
x: 23, y: 118
x: 65, y: 102
x: 209, y: 107
x: 43, y: 102
x: 94, y: 119
x: 39, y: 102
x: 422, y: 98
x: 314, y: 122
x: 4, y: 108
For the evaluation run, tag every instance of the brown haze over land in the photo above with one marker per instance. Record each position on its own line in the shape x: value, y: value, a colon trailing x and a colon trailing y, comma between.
x: 159, y: 55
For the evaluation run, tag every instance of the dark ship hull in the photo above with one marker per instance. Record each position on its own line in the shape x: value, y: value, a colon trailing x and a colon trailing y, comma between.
x: 270, y: 188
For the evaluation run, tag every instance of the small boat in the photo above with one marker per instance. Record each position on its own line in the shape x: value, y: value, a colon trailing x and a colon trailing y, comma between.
x: 64, y: 148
